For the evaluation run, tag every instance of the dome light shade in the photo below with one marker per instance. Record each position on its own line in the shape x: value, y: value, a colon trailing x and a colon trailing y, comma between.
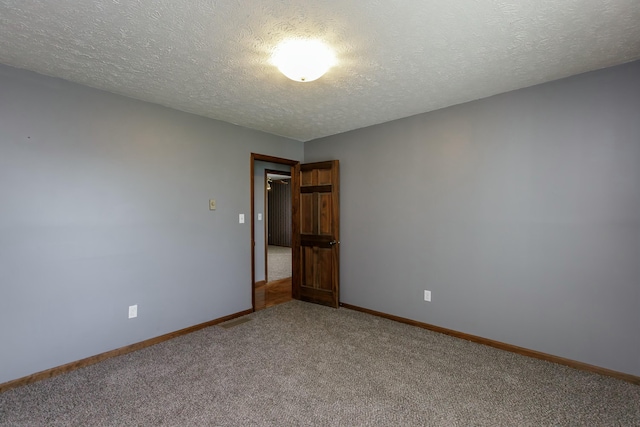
x: 303, y: 60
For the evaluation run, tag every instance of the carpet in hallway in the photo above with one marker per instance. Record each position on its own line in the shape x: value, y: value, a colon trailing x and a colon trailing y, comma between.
x: 278, y: 262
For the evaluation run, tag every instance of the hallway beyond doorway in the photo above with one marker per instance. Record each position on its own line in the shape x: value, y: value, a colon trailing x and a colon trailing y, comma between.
x: 278, y: 263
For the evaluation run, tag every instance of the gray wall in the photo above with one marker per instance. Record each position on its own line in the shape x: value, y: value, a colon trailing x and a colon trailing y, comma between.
x: 103, y: 204
x: 259, y: 206
x: 520, y: 212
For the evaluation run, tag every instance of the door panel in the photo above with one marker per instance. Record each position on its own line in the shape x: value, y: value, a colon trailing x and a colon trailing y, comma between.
x: 317, y: 268
x: 324, y: 212
x: 319, y: 234
x: 306, y: 205
x: 324, y: 176
x: 306, y: 178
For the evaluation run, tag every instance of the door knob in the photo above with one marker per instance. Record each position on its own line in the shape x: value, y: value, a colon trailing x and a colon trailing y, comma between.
x: 335, y: 242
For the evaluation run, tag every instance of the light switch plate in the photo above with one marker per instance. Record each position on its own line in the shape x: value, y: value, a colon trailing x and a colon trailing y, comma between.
x: 133, y: 311
x: 212, y: 205
x: 241, y: 218
x: 259, y: 217
x: 427, y: 295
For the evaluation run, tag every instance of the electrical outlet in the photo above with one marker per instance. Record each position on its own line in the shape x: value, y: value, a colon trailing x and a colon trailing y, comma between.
x: 241, y: 218
x: 212, y: 204
x: 133, y: 311
x: 259, y: 217
x: 427, y: 295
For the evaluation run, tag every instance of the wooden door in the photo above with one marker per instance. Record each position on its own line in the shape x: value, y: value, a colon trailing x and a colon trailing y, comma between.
x: 317, y: 262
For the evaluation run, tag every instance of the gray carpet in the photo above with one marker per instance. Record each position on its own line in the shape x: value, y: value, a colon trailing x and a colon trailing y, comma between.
x: 278, y: 262
x: 302, y: 364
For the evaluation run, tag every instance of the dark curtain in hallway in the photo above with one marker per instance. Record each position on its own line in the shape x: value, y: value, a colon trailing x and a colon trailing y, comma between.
x: 279, y: 213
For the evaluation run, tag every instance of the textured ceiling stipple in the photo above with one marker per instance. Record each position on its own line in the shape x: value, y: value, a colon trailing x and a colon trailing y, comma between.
x: 395, y: 58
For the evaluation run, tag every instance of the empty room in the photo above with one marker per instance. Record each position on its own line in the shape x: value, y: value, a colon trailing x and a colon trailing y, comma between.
x: 341, y: 213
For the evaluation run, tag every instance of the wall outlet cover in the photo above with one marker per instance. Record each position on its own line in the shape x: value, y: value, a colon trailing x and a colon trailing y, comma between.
x: 427, y: 295
x: 212, y: 204
x: 133, y: 311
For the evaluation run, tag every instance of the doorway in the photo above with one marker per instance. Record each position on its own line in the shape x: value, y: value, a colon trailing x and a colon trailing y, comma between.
x: 278, y: 225
x: 272, y: 230
x: 315, y: 223
x: 277, y: 287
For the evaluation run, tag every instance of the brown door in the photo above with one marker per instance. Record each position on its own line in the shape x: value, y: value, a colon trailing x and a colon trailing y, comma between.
x: 316, y: 272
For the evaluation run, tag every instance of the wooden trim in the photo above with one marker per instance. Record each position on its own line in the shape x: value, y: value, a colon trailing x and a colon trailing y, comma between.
x: 272, y: 159
x: 253, y: 233
x: 503, y: 346
x: 335, y: 179
x: 260, y: 284
x: 279, y: 281
x: 265, y: 226
x: 82, y: 363
x: 296, y: 272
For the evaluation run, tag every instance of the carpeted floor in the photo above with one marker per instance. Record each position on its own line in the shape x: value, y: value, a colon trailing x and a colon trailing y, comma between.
x: 278, y: 262
x: 303, y: 364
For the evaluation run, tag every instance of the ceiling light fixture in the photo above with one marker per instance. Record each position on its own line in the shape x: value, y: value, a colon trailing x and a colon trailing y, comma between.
x: 303, y: 60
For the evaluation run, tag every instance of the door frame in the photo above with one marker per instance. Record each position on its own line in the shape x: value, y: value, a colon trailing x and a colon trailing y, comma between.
x: 294, y: 166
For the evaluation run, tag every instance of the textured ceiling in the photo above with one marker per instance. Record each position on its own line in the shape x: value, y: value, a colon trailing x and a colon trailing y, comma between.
x: 396, y: 58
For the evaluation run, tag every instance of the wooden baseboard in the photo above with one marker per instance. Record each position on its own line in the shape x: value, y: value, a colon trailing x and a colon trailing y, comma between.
x: 503, y: 346
x: 279, y: 281
x: 113, y: 353
x: 259, y: 284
